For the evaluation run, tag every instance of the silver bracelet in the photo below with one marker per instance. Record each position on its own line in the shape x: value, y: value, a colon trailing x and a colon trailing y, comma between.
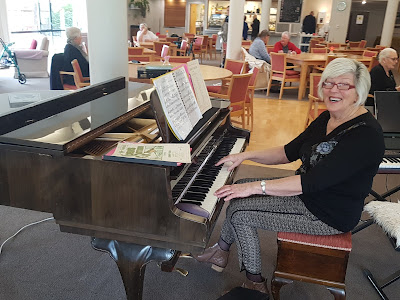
x: 263, y: 187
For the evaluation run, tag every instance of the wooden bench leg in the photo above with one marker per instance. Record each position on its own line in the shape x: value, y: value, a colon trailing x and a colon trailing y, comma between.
x: 276, y: 284
x: 339, y: 294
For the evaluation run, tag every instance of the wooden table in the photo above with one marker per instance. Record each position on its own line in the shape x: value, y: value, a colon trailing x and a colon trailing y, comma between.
x: 208, y: 72
x: 355, y: 51
x: 306, y: 60
x: 147, y: 51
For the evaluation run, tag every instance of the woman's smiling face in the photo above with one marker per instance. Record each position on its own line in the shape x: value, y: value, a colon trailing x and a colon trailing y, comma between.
x: 340, y: 100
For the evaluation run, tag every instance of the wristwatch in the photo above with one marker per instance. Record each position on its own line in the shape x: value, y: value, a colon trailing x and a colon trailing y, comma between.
x: 263, y: 187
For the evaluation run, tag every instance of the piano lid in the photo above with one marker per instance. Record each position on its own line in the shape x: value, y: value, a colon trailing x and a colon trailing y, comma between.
x: 56, y: 121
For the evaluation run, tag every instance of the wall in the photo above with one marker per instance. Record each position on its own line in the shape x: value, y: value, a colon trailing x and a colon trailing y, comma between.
x: 3, y: 22
x: 339, y: 22
x: 317, y: 6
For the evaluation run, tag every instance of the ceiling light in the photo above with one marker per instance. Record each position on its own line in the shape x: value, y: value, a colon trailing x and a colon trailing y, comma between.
x: 363, y: 2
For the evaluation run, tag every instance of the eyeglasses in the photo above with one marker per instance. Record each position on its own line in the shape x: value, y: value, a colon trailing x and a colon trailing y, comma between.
x: 394, y: 58
x: 340, y: 86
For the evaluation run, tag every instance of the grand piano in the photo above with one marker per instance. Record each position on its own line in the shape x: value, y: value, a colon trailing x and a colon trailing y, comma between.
x: 51, y: 160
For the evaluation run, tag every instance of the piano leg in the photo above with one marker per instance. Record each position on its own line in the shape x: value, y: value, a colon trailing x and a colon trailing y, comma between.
x: 132, y: 259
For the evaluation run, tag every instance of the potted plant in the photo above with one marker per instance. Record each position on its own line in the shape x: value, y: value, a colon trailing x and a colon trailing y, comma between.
x: 142, y: 5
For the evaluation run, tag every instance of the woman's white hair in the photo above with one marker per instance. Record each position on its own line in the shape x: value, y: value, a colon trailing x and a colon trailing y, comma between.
x: 72, y: 33
x: 385, y: 53
x: 144, y: 25
x: 341, y: 66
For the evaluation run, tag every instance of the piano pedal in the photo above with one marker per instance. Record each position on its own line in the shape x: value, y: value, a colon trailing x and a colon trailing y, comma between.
x: 181, y: 271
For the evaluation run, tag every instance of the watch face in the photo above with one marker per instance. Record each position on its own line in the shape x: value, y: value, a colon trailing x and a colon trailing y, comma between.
x: 341, y: 5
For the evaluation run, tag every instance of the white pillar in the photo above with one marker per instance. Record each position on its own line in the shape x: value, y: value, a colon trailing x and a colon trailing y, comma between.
x: 4, y: 34
x: 235, y: 29
x: 389, y: 22
x: 108, y: 47
x: 265, y: 9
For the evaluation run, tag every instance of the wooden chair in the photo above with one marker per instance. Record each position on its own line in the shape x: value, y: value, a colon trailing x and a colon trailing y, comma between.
x: 79, y: 80
x: 354, y: 44
x: 67, y: 86
x: 180, y: 59
x: 236, y: 94
x: 250, y: 97
x: 363, y: 43
x: 329, y: 58
x: 369, y: 53
x: 197, y: 47
x: 141, y: 58
x: 246, y: 43
x: 158, y: 47
x: 319, y: 50
x: 270, y: 48
x: 334, y: 45
x: 212, y: 43
x: 189, y: 35
x: 204, y: 46
x: 162, y: 36
x: 135, y: 50
x: 283, y: 73
x: 233, y: 65
x: 374, y: 62
x: 183, y: 49
x: 318, y: 259
x: 171, y: 39
x: 315, y: 105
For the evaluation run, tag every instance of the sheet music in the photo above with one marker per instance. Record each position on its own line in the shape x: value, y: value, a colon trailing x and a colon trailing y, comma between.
x: 187, y: 95
x: 172, y: 105
x: 203, y: 99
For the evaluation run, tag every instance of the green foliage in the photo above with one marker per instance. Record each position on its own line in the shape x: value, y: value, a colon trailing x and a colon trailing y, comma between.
x: 143, y: 5
x: 68, y: 14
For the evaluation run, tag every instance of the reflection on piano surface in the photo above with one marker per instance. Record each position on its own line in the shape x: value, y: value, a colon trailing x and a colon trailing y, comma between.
x: 390, y: 164
x: 129, y: 209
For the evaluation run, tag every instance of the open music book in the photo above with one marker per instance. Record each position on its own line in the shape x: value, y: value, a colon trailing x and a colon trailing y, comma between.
x: 155, y: 154
x: 178, y: 101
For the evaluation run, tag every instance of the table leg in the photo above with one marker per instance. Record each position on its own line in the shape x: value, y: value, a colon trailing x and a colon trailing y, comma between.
x: 303, y: 81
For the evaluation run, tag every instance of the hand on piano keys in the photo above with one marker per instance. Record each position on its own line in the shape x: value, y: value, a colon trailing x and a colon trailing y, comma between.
x: 240, y: 190
x: 232, y: 161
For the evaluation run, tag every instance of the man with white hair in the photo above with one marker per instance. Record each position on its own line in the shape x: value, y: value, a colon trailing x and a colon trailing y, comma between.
x: 145, y: 35
x: 382, y: 78
x: 285, y: 46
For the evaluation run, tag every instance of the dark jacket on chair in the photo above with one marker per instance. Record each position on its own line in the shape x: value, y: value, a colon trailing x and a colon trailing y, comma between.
x: 57, y: 63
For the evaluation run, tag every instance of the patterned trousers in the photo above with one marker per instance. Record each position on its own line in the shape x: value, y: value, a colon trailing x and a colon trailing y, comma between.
x: 275, y: 213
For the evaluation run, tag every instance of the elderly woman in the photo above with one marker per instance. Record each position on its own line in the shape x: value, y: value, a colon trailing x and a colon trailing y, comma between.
x: 73, y: 50
x: 340, y: 153
x: 381, y: 75
x: 145, y: 35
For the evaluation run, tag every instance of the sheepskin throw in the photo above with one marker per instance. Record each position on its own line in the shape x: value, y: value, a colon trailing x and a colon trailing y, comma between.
x: 387, y: 215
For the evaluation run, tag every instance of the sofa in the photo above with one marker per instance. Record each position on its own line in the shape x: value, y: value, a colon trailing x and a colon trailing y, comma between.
x: 33, y: 62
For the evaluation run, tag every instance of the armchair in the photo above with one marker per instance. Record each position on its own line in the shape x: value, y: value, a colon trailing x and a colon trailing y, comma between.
x: 33, y: 62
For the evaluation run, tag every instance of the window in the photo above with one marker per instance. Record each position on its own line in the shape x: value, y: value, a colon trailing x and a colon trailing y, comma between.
x: 29, y: 19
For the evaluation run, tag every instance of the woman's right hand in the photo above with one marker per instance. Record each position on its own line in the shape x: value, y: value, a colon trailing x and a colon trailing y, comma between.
x: 233, y: 159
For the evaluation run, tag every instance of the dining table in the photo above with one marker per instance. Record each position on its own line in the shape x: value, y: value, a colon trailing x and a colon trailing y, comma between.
x: 308, y: 60
x: 150, y: 45
x: 208, y: 72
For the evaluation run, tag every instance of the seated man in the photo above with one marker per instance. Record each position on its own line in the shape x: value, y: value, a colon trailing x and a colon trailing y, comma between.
x: 285, y: 46
x: 257, y: 48
x: 145, y: 35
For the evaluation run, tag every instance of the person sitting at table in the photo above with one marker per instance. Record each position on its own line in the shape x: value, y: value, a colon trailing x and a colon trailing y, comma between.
x: 340, y: 152
x: 382, y: 78
x: 145, y: 35
x: 74, y: 50
x: 285, y: 45
x: 257, y: 48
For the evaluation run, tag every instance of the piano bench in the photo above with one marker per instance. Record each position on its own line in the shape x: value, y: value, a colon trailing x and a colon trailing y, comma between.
x: 320, y: 259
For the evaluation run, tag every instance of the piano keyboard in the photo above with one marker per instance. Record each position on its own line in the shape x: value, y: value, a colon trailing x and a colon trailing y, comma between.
x: 390, y: 163
x: 198, y: 198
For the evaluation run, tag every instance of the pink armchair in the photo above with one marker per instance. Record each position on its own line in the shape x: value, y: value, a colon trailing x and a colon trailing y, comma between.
x: 33, y: 62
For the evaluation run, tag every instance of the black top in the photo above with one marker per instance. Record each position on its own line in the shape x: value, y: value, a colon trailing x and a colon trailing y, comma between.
x: 309, y: 24
x: 255, y: 28
x: 71, y: 53
x: 338, y: 169
x: 380, y: 81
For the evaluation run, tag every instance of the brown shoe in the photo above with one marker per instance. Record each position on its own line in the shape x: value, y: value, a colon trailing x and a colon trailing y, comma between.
x: 258, y: 286
x: 216, y: 256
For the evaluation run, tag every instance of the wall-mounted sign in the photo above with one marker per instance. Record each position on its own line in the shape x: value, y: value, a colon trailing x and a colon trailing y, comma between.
x: 290, y: 11
x: 359, y: 19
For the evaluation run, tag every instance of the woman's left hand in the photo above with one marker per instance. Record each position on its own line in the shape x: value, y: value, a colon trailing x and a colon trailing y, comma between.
x: 237, y: 190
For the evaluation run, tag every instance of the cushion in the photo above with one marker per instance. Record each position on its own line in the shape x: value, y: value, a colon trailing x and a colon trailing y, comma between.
x: 213, y: 88
x: 337, y: 241
x: 33, y: 44
x: 287, y: 75
x: 386, y: 215
x: 291, y: 72
x: 45, y: 44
